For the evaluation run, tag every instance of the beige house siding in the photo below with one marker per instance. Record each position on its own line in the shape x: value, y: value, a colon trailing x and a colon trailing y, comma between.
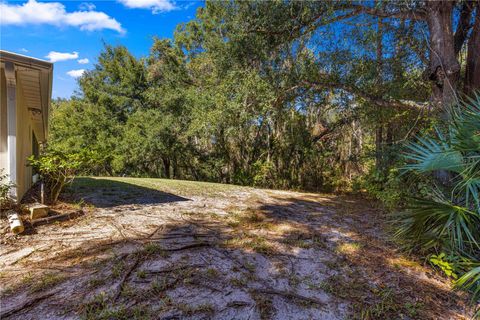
x: 32, y: 80
x: 24, y: 145
x: 3, y: 120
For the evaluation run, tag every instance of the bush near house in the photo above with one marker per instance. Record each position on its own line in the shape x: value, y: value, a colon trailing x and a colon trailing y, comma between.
x: 5, y: 186
x: 57, y: 169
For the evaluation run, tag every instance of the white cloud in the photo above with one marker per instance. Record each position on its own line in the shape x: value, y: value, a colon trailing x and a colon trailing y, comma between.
x: 23, y: 50
x: 54, y: 56
x: 76, y: 73
x: 54, y: 13
x: 83, y: 61
x: 156, y: 6
x: 87, y: 6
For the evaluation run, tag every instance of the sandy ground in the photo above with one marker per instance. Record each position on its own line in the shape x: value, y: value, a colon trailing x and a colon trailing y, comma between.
x: 160, y: 249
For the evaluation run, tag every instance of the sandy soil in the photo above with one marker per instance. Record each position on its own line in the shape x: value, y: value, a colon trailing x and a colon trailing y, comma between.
x: 159, y: 249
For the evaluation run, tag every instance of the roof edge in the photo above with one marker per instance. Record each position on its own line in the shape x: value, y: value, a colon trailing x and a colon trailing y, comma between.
x: 25, y: 60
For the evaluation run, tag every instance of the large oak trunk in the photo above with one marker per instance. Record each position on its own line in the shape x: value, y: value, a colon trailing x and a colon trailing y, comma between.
x: 444, y: 66
x: 472, y: 72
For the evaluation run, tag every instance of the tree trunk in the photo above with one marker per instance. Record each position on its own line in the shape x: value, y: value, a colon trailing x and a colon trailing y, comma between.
x: 379, y: 129
x: 166, y: 166
x: 378, y: 147
x: 444, y: 66
x: 472, y: 72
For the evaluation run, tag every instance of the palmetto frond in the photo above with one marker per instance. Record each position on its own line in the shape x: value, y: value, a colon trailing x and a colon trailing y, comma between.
x: 433, y: 223
x: 470, y: 281
x: 449, y: 218
x: 429, y: 154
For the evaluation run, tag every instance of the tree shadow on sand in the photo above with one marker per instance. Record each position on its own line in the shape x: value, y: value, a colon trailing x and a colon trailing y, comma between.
x: 107, y: 193
x: 285, y: 259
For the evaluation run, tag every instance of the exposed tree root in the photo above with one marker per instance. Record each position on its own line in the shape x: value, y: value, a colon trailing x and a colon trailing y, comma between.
x: 125, y: 277
x: 26, y: 304
x: 174, y: 269
x: 189, y: 246
x: 58, y: 217
x: 289, y: 295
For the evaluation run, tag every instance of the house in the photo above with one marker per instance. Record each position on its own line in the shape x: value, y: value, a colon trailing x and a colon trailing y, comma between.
x: 26, y: 88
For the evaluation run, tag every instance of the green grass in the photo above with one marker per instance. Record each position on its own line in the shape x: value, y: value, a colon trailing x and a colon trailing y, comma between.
x: 110, y: 185
x: 46, y: 281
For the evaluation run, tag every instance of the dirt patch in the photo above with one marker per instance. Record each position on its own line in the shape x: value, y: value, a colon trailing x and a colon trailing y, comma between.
x: 153, y: 249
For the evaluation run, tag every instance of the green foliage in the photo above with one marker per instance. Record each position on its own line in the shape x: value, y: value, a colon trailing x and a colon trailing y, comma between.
x: 117, y: 83
x: 284, y: 94
x: 5, y: 187
x: 264, y: 174
x: 388, y: 188
x: 241, y: 95
x: 444, y: 264
x: 448, y: 219
x: 77, y: 126
x: 471, y: 281
x: 57, y: 169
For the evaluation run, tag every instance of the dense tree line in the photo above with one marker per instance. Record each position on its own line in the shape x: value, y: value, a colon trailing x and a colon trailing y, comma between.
x: 305, y: 95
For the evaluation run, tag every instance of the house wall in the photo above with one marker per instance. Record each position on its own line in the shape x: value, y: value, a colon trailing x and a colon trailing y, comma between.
x: 3, y: 121
x: 24, y: 145
x: 24, y: 137
x: 31, y: 99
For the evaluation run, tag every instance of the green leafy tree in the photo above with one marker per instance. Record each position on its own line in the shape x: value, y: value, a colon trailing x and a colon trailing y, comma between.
x: 78, y: 126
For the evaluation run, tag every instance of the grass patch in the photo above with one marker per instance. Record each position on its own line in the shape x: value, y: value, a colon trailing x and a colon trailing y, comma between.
x: 238, y: 282
x: 141, y: 274
x: 367, y: 301
x: 154, y: 248
x: 118, y: 269
x: 252, y: 242
x: 382, y: 307
x: 46, y: 281
x: 248, y: 219
x: 96, y: 282
x: 264, y: 306
x: 100, y: 308
x: 212, y: 273
x: 188, y: 310
x: 178, y: 187
x: 348, y: 248
x: 129, y: 292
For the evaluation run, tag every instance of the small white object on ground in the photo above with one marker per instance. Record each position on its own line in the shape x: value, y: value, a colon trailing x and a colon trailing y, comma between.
x: 16, y: 224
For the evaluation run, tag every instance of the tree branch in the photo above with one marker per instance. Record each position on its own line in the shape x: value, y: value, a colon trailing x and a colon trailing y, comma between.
x: 378, y: 101
x: 310, y: 25
x: 415, y: 15
x: 327, y: 131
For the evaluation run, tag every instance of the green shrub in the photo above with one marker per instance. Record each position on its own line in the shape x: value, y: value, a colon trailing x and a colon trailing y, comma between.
x: 447, y: 218
x: 57, y: 169
x: 444, y: 263
x: 264, y: 174
x: 5, y: 186
x: 392, y: 188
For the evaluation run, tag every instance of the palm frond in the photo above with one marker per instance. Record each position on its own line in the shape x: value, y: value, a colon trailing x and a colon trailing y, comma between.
x: 471, y: 281
x: 428, y: 154
x: 430, y: 223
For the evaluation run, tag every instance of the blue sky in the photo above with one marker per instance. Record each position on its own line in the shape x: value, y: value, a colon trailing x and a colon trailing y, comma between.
x: 70, y: 33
